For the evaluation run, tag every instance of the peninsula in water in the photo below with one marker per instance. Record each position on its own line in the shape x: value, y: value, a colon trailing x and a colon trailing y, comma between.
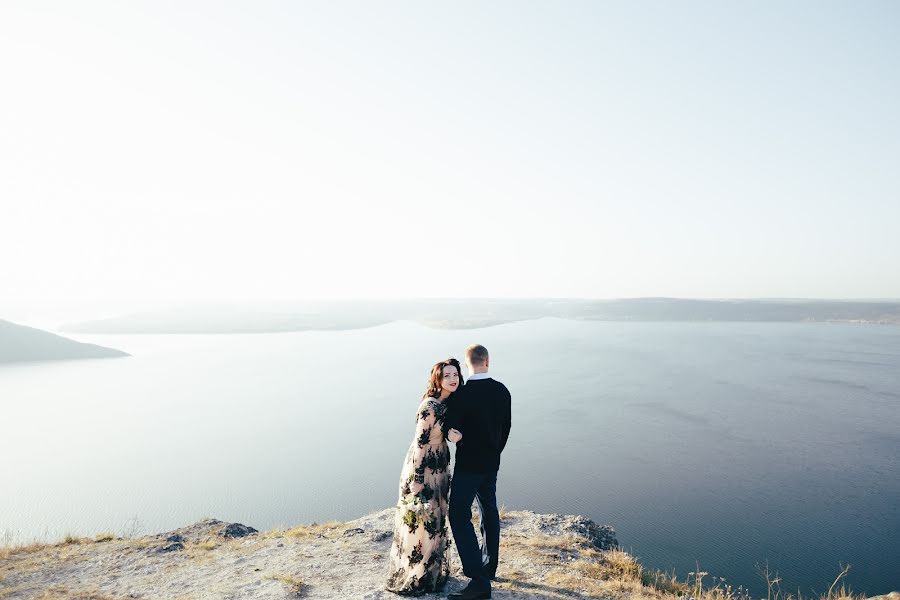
x: 467, y: 314
x: 19, y: 343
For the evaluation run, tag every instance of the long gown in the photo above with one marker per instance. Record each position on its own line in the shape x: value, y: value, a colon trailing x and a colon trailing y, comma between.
x: 419, y: 561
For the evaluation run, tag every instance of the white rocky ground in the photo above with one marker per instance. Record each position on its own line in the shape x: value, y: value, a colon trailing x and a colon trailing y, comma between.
x: 542, y: 556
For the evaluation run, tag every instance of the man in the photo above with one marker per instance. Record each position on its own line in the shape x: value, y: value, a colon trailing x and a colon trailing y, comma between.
x: 481, y: 411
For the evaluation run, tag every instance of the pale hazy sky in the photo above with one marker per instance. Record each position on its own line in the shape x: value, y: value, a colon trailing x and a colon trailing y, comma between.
x: 266, y: 150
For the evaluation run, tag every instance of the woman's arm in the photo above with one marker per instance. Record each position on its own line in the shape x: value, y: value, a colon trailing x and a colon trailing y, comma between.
x: 425, y: 421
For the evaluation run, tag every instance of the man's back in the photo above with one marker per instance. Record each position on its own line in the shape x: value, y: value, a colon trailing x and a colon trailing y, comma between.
x: 482, y: 412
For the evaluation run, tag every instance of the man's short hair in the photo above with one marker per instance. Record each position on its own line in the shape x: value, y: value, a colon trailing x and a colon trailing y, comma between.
x: 476, y: 354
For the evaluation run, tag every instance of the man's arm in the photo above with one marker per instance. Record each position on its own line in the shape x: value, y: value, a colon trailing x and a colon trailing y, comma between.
x: 454, y: 417
x: 449, y: 417
x: 507, y: 422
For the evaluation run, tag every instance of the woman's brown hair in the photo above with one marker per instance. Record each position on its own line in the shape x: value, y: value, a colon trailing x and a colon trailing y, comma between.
x: 437, y: 374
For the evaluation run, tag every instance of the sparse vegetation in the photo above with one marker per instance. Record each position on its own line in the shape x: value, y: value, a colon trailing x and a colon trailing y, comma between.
x: 329, y: 529
x: 554, y: 563
x: 60, y: 593
x: 568, y: 543
x: 207, y: 544
x: 574, y: 567
x: 294, y: 584
x: 132, y: 528
x: 31, y: 548
x: 774, y: 591
x: 664, y: 582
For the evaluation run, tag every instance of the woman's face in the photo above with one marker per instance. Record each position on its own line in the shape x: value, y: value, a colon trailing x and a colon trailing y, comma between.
x: 449, y: 379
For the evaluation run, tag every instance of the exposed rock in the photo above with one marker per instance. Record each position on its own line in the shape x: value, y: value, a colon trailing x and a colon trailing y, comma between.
x: 380, y: 536
x: 602, y: 537
x: 173, y: 547
x: 203, y: 530
x: 236, y: 530
x: 353, y: 531
x: 174, y: 543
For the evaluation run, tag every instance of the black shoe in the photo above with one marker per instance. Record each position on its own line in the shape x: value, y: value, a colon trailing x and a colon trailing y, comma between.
x: 468, y: 594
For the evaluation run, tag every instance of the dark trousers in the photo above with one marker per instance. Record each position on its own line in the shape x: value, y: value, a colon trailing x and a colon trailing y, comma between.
x: 463, y: 489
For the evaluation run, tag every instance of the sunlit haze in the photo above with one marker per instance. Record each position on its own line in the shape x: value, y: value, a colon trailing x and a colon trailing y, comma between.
x: 170, y: 151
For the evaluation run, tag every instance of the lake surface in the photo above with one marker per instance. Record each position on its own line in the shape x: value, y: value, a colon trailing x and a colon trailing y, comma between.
x: 718, y: 444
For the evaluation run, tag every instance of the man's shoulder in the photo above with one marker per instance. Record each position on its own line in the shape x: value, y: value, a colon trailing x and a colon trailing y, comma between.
x: 492, y: 386
x: 496, y: 382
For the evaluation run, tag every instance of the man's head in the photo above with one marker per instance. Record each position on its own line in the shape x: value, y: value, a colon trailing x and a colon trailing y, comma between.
x: 477, y: 359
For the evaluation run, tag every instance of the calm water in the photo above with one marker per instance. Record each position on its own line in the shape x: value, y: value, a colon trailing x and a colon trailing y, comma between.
x: 720, y: 444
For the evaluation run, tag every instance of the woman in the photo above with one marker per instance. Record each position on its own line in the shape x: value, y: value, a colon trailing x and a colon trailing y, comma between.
x: 419, y: 562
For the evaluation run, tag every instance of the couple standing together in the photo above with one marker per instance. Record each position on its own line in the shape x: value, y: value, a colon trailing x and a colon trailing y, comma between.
x: 477, y: 418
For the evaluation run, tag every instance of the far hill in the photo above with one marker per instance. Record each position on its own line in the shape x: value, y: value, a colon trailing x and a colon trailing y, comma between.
x: 19, y: 343
x: 467, y: 314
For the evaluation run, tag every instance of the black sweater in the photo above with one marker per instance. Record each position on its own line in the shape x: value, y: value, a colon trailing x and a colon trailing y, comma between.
x: 481, y: 410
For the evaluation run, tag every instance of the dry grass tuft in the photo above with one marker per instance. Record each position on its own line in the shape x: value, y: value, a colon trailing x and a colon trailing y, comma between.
x: 774, y: 591
x: 610, y: 574
x: 569, y: 543
x: 626, y: 575
x: 294, y: 584
x: 622, y: 564
x: 271, y: 534
x: 73, y: 539
x: 201, y: 552
x: 330, y: 529
x: 104, y: 537
x: 513, y: 575
x: 565, y: 579
x: 207, y: 544
x: 11, y: 551
x: 61, y: 593
x: 664, y: 582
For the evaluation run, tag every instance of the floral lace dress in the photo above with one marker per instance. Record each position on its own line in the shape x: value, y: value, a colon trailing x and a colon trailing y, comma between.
x: 419, y: 561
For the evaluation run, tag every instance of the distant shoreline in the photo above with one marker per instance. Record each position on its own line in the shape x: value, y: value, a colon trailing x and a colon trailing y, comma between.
x: 476, y: 314
x: 22, y: 344
x: 450, y: 327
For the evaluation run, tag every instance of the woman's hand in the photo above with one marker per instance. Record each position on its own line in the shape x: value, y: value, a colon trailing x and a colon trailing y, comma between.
x: 454, y: 435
